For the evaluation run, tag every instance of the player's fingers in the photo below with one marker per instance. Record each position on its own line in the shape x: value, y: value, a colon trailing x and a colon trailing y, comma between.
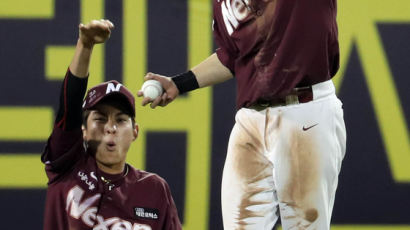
x: 83, y: 27
x: 107, y: 23
x: 92, y: 26
x: 152, y: 105
x: 96, y: 24
x: 145, y: 101
x: 149, y: 76
x: 165, y: 103
x: 166, y: 99
x: 140, y: 93
x: 156, y: 102
x: 163, y: 100
x: 153, y: 76
x: 164, y: 96
x: 169, y: 100
x: 93, y: 22
x: 100, y: 25
x: 110, y: 24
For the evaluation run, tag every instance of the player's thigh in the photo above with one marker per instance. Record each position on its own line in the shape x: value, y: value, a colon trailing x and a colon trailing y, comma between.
x: 248, y: 199
x: 307, y: 156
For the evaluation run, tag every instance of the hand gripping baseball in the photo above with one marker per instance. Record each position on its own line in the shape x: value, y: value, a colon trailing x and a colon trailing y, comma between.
x: 96, y: 31
x: 169, y: 94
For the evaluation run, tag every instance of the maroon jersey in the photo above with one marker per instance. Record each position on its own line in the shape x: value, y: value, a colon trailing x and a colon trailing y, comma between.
x: 80, y: 196
x: 273, y: 46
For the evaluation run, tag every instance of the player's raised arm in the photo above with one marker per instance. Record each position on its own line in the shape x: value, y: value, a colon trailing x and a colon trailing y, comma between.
x: 209, y: 72
x: 66, y: 138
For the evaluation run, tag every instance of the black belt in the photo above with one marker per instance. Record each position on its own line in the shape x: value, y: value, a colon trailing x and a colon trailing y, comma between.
x: 296, y: 96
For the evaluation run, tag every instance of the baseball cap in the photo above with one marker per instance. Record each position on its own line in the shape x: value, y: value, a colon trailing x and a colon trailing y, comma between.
x: 108, y: 89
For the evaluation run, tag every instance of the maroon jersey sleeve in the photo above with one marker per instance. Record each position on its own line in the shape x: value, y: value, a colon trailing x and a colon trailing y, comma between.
x: 65, y: 145
x: 226, y: 52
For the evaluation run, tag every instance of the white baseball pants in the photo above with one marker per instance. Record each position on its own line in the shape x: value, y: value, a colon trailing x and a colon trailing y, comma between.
x: 284, y: 161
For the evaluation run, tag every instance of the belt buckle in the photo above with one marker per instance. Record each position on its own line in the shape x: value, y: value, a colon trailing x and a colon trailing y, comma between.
x: 265, y: 104
x: 292, y: 99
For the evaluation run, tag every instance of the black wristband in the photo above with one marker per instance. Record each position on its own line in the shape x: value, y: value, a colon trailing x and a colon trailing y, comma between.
x: 185, y: 82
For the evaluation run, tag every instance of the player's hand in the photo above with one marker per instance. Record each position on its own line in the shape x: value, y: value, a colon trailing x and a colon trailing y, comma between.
x: 94, y: 32
x: 170, y: 91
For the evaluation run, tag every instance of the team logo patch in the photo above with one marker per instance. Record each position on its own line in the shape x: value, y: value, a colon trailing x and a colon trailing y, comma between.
x: 146, y: 213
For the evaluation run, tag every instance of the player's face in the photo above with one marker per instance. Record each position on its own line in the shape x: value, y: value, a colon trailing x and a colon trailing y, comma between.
x: 109, y: 134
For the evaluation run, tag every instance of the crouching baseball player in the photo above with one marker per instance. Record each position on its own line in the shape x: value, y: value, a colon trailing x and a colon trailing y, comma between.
x: 90, y: 185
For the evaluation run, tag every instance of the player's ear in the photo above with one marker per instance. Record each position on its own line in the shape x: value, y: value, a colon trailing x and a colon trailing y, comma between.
x: 84, y: 132
x: 135, y: 131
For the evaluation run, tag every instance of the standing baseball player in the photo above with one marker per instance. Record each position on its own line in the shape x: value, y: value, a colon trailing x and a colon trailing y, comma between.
x: 288, y: 142
x: 90, y: 185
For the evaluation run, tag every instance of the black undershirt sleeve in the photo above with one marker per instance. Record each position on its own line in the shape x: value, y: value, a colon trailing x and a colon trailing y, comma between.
x: 69, y: 115
x: 65, y: 144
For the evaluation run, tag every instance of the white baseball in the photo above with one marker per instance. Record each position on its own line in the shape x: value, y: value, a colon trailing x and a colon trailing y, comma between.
x: 152, y: 89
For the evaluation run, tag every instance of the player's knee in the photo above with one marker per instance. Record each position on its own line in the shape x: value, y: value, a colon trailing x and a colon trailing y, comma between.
x: 298, y: 218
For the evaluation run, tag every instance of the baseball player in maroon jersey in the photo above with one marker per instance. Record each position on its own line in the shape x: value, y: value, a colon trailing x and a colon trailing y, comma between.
x: 288, y: 142
x: 90, y: 185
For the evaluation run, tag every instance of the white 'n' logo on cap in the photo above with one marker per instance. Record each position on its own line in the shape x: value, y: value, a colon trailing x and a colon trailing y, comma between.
x: 111, y: 87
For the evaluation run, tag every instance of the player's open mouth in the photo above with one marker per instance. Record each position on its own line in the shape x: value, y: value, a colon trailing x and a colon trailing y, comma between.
x: 111, y: 146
